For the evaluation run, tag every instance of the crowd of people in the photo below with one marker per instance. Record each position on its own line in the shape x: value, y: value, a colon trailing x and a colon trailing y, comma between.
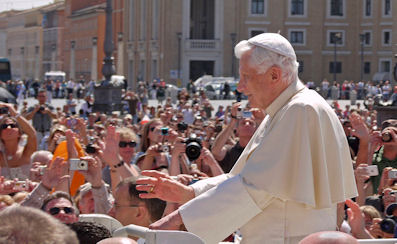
x: 139, y: 165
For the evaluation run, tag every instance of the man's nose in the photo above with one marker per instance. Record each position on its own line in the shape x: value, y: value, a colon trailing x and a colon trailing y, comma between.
x: 241, y: 86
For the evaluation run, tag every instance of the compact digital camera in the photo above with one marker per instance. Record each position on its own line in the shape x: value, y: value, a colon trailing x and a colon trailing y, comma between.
x: 77, y: 164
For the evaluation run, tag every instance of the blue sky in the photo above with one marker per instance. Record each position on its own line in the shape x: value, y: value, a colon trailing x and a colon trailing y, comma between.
x: 21, y: 4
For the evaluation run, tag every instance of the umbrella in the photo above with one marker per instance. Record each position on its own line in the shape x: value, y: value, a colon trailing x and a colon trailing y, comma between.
x: 6, y: 96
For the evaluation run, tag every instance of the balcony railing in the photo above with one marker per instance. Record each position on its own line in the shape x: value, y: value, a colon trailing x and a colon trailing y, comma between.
x: 202, y: 44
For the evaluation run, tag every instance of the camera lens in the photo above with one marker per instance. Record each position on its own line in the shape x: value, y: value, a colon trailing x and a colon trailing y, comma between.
x: 386, y: 137
x: 387, y: 225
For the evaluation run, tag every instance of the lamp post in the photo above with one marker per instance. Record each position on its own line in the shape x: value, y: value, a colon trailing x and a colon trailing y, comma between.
x: 335, y: 38
x: 362, y: 40
x: 108, y: 66
x: 233, y: 37
x: 179, y: 35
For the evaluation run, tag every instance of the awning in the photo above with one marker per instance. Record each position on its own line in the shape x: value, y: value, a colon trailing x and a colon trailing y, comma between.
x: 381, y: 76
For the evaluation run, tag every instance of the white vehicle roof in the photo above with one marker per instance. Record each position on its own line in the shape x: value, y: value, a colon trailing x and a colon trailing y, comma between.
x: 55, y: 73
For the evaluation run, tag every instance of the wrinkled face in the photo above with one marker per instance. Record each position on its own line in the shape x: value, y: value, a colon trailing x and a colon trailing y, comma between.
x: 124, y: 209
x: 255, y: 86
x: 246, y: 127
x: 64, y: 215
x: 86, y: 204
x: 10, y: 130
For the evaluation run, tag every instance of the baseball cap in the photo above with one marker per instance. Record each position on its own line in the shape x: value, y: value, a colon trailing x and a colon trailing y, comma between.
x: 275, y: 43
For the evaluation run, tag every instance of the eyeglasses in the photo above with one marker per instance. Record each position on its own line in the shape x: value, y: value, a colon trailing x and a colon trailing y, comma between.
x: 126, y: 143
x: 5, y: 126
x: 56, y: 210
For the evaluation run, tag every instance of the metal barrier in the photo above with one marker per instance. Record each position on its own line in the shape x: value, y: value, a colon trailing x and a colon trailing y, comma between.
x: 376, y: 241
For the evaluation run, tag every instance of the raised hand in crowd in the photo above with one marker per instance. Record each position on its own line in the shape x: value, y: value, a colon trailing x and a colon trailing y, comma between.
x: 209, y: 165
x: 162, y: 186
x: 81, y: 127
x: 385, y: 181
x: 376, y: 231
x: 362, y: 177
x: 56, y: 175
x: 93, y: 174
x: 356, y: 221
x: 110, y: 155
x: 361, y: 131
x: 13, y: 186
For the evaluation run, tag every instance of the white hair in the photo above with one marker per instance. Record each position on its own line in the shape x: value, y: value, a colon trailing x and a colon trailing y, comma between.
x: 262, y: 59
x: 41, y: 155
x: 30, y: 225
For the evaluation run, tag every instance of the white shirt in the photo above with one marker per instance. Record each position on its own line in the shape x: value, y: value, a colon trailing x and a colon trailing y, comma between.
x: 286, y: 183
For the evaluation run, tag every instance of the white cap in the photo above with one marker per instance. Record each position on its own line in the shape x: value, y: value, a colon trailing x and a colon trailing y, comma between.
x: 275, y: 43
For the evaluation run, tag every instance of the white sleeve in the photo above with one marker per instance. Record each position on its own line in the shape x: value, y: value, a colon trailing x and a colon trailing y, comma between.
x: 202, y: 186
x: 224, y: 219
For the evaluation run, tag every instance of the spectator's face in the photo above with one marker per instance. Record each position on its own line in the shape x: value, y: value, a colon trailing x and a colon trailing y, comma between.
x: 86, y: 203
x: 155, y: 132
x: 42, y: 97
x: 246, y: 127
x: 125, y: 210
x: 126, y: 149
x: 11, y: 131
x: 63, y: 210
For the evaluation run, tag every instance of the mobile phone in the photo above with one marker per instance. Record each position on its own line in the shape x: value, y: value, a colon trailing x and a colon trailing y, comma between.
x: 372, y: 170
x: 77, y: 164
x: 393, y: 174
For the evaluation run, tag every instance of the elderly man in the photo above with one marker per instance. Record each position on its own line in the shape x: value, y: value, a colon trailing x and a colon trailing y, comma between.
x: 293, y: 172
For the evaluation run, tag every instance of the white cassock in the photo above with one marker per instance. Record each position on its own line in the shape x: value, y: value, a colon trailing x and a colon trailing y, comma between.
x: 286, y: 183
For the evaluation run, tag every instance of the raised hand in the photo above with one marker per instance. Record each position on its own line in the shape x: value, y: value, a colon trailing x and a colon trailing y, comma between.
x: 94, y: 172
x: 55, y: 173
x: 111, y: 147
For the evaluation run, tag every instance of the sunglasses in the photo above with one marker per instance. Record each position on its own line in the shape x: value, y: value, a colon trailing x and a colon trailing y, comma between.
x: 56, y: 210
x: 125, y: 144
x: 152, y: 129
x: 5, y: 126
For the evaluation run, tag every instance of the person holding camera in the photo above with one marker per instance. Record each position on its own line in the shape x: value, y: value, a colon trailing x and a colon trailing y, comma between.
x: 226, y: 154
x: 384, y: 149
x: 41, y: 115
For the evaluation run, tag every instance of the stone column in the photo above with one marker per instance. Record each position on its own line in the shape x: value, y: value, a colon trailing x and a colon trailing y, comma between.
x: 72, y: 74
x: 94, y: 61
x: 37, y: 63
x: 120, y: 54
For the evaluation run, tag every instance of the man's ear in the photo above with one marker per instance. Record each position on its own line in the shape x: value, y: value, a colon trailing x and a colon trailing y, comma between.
x: 275, y: 74
x: 141, y: 213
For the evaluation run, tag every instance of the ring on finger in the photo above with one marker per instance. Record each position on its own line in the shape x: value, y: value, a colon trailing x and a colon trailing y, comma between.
x: 151, y: 189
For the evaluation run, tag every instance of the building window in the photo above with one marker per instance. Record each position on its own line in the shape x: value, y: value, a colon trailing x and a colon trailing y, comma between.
x: 257, y: 6
x: 367, y: 67
x: 297, y: 37
x: 335, y: 68
x: 386, y: 7
x: 386, y: 38
x: 301, y: 66
x: 367, y: 38
x: 336, y: 8
x: 256, y: 32
x: 297, y: 7
x: 385, y: 66
x: 336, y: 37
x: 367, y: 8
